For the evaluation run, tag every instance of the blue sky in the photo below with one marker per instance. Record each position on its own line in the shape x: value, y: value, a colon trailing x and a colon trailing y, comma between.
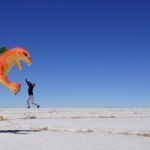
x: 88, y: 53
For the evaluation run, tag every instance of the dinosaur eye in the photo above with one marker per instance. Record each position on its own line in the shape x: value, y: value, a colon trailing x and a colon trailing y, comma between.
x: 24, y: 53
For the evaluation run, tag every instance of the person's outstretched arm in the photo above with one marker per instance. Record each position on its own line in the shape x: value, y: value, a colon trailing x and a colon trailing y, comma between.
x: 28, y: 82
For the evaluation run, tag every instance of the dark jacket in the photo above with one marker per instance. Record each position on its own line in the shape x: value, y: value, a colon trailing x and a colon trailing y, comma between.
x: 30, y: 89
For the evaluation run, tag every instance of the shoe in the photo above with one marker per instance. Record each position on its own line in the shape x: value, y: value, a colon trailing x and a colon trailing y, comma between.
x: 38, y: 106
x: 28, y: 107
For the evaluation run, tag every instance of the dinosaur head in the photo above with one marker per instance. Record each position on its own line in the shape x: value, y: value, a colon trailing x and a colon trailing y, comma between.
x: 24, y: 55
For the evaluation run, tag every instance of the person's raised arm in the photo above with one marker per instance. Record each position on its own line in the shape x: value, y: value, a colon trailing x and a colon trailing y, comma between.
x: 28, y: 82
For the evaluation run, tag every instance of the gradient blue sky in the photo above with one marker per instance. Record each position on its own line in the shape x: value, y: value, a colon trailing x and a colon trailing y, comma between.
x: 86, y: 53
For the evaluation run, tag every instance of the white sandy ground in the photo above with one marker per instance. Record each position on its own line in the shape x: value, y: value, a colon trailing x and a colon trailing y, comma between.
x: 75, y: 129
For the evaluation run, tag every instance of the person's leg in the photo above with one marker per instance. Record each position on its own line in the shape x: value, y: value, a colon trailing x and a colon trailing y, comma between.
x: 28, y: 101
x: 32, y: 99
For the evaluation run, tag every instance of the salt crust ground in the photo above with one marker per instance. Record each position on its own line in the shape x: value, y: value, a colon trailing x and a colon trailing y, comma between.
x: 75, y: 129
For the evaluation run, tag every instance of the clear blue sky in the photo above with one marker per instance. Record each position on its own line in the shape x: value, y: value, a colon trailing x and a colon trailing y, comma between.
x: 86, y: 53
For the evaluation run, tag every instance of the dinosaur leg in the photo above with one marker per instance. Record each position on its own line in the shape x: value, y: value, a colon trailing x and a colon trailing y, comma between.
x: 14, y: 87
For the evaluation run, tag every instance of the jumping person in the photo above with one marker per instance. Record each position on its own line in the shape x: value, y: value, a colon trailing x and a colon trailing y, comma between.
x: 30, y: 92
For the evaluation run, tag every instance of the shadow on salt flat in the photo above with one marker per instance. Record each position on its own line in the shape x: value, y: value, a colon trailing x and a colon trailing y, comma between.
x: 19, y: 131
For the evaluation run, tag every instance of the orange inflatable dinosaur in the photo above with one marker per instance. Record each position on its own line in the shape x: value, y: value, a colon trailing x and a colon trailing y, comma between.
x: 8, y: 59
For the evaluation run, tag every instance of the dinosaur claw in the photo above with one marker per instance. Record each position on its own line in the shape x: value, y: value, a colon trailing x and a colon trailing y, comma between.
x: 15, y: 88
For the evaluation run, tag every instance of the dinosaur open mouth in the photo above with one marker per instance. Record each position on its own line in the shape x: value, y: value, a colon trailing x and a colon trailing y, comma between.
x: 27, y: 60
